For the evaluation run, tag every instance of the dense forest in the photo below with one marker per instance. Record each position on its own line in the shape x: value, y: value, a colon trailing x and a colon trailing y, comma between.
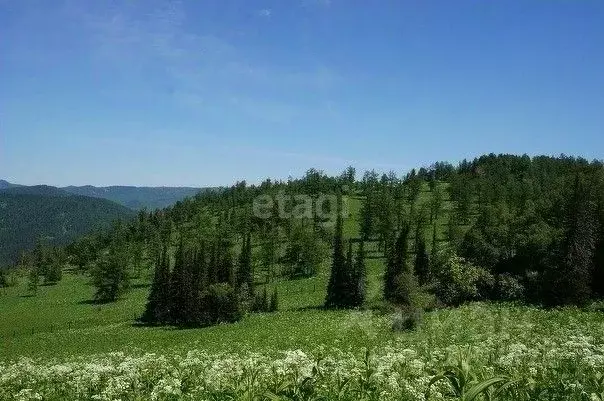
x: 48, y: 215
x: 499, y: 227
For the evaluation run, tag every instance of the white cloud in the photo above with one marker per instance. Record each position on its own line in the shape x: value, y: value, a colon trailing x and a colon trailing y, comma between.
x: 266, y: 12
x: 158, y: 37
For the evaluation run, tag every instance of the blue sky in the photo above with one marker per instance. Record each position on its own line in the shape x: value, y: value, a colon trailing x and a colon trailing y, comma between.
x: 208, y: 92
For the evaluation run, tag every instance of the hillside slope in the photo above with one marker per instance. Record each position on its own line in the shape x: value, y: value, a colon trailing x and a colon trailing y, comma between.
x: 137, y: 197
x: 49, y: 214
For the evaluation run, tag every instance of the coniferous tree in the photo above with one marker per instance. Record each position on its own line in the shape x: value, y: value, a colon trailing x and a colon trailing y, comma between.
x: 396, y: 262
x: 360, y: 276
x: 598, y: 277
x: 180, y: 287
x: 436, y: 203
x: 434, y: 248
x: 422, y: 262
x: 338, y: 280
x: 245, y: 275
x: 274, y: 302
x: 53, y: 272
x: 33, y: 280
x: 225, y: 265
x: 110, y: 276
x: 367, y: 217
x: 213, y: 276
x: 265, y: 303
x: 157, y: 310
x: 268, y: 252
x: 573, y: 274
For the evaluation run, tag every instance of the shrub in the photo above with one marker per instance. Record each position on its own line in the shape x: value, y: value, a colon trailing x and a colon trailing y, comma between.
x: 260, y: 302
x: 53, y: 273
x: 7, y: 278
x: 459, y: 281
x: 407, y: 319
x: 509, y: 287
x: 221, y: 304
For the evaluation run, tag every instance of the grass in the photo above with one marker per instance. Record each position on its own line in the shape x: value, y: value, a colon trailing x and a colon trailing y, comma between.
x: 60, y: 320
x: 523, y: 353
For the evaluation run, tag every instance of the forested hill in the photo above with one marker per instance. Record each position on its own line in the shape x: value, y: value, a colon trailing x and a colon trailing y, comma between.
x: 137, y: 197
x: 496, y: 227
x: 29, y: 214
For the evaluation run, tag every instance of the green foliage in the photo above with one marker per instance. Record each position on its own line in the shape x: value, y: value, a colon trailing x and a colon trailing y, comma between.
x: 458, y: 280
x: 261, y: 302
x: 220, y: 304
x: 8, y: 278
x: 465, y: 385
x: 304, y: 252
x: 58, y: 220
x: 245, y: 274
x: 269, y: 247
x: 571, y: 278
x: 396, y: 263
x: 339, y: 275
x: 509, y: 288
x: 157, y: 310
x: 274, y: 302
x: 422, y: 261
x: 33, y: 281
x: 110, y: 275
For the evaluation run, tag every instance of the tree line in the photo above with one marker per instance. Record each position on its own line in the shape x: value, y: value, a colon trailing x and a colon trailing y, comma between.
x: 499, y: 227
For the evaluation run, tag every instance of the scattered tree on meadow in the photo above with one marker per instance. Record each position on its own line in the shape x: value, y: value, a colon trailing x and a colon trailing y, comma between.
x: 157, y: 310
x: 422, y: 262
x: 110, y: 275
x: 341, y: 280
x: 360, y: 276
x: 396, y: 263
x: 33, y: 280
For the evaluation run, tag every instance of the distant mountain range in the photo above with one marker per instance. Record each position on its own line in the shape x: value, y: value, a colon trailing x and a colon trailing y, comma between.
x: 132, y: 197
x: 60, y: 215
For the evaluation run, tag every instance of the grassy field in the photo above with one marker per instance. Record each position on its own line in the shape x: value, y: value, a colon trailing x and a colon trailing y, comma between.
x: 62, y: 320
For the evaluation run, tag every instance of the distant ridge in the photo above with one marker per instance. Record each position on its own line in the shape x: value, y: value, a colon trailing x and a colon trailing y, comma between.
x: 137, y: 197
x: 132, y: 197
x: 45, y: 190
x: 5, y: 184
x: 49, y: 214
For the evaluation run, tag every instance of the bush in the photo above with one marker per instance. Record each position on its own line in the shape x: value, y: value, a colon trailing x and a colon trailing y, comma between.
x: 407, y: 319
x: 53, y: 273
x: 221, y: 305
x: 509, y: 288
x: 459, y: 281
x: 261, y: 302
x: 7, y: 278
